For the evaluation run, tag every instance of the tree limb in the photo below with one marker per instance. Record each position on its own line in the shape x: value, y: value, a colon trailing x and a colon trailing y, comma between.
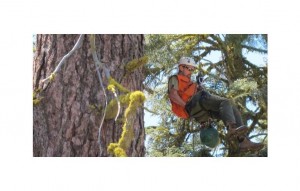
x: 257, y: 135
x: 153, y: 112
x: 255, y: 49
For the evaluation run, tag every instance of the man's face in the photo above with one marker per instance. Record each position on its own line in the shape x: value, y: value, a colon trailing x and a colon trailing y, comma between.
x: 187, y: 70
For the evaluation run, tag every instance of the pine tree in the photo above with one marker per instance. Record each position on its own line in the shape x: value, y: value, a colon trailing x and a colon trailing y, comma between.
x: 232, y: 76
x: 69, y: 107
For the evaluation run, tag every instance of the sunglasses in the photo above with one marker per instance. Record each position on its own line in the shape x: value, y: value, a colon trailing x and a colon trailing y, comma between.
x: 189, y: 69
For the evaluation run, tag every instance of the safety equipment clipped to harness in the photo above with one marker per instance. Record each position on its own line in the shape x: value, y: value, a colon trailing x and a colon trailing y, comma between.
x: 209, y: 136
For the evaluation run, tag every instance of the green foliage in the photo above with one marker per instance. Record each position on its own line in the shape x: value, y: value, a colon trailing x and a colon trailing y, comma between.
x: 232, y: 76
x: 242, y: 88
x: 162, y: 143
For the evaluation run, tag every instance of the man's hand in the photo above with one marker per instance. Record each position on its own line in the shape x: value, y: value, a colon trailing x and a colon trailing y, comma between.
x: 200, y: 88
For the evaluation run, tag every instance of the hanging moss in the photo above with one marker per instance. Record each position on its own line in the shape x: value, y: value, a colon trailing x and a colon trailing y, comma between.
x: 133, y: 100
x: 135, y: 63
x: 112, y: 107
x: 113, y: 84
x: 136, y: 99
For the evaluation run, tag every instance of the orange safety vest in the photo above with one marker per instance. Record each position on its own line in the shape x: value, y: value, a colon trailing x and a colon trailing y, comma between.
x: 186, y: 89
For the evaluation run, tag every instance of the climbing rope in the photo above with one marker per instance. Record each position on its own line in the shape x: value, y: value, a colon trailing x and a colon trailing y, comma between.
x: 76, y: 46
x: 99, y: 66
x: 105, y: 107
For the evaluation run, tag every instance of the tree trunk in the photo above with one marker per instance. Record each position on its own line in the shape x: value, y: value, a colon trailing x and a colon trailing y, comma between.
x: 67, y: 118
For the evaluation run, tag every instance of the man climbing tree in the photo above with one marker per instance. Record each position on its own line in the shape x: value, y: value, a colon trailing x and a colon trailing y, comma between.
x: 190, y: 100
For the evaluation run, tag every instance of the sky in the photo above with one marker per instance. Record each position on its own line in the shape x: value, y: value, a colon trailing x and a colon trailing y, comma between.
x: 21, y: 19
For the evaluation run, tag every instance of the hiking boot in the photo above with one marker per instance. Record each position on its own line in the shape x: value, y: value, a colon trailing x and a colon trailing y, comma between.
x: 247, y: 145
x: 234, y: 131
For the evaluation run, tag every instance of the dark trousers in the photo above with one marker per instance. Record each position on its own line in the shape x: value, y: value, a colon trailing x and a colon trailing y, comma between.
x: 203, y: 106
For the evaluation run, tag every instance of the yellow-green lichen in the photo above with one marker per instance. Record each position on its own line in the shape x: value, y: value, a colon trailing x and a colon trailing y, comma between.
x: 111, y: 88
x: 112, y: 110
x: 119, y: 152
x: 114, y: 84
x: 112, y: 107
x: 136, y: 99
x: 92, y: 42
x: 52, y: 77
x: 95, y: 108
x: 36, y: 98
x: 111, y: 147
x: 36, y: 102
x: 135, y: 63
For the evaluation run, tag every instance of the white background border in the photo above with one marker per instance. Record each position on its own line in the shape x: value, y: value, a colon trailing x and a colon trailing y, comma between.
x: 21, y: 171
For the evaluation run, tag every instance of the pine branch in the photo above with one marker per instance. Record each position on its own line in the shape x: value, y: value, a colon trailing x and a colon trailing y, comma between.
x: 255, y: 49
x: 254, y: 122
x: 150, y: 111
x: 247, y: 62
x: 240, y: 95
x: 257, y: 135
x: 220, y: 44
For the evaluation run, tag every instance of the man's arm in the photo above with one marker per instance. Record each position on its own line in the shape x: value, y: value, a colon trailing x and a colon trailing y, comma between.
x: 173, y: 95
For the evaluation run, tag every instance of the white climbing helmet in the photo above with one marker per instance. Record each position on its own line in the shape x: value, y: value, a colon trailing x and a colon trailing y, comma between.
x: 187, y: 61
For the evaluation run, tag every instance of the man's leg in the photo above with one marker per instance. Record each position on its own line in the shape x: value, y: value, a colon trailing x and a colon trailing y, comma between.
x: 232, y: 119
x: 196, y: 111
x: 228, y: 113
